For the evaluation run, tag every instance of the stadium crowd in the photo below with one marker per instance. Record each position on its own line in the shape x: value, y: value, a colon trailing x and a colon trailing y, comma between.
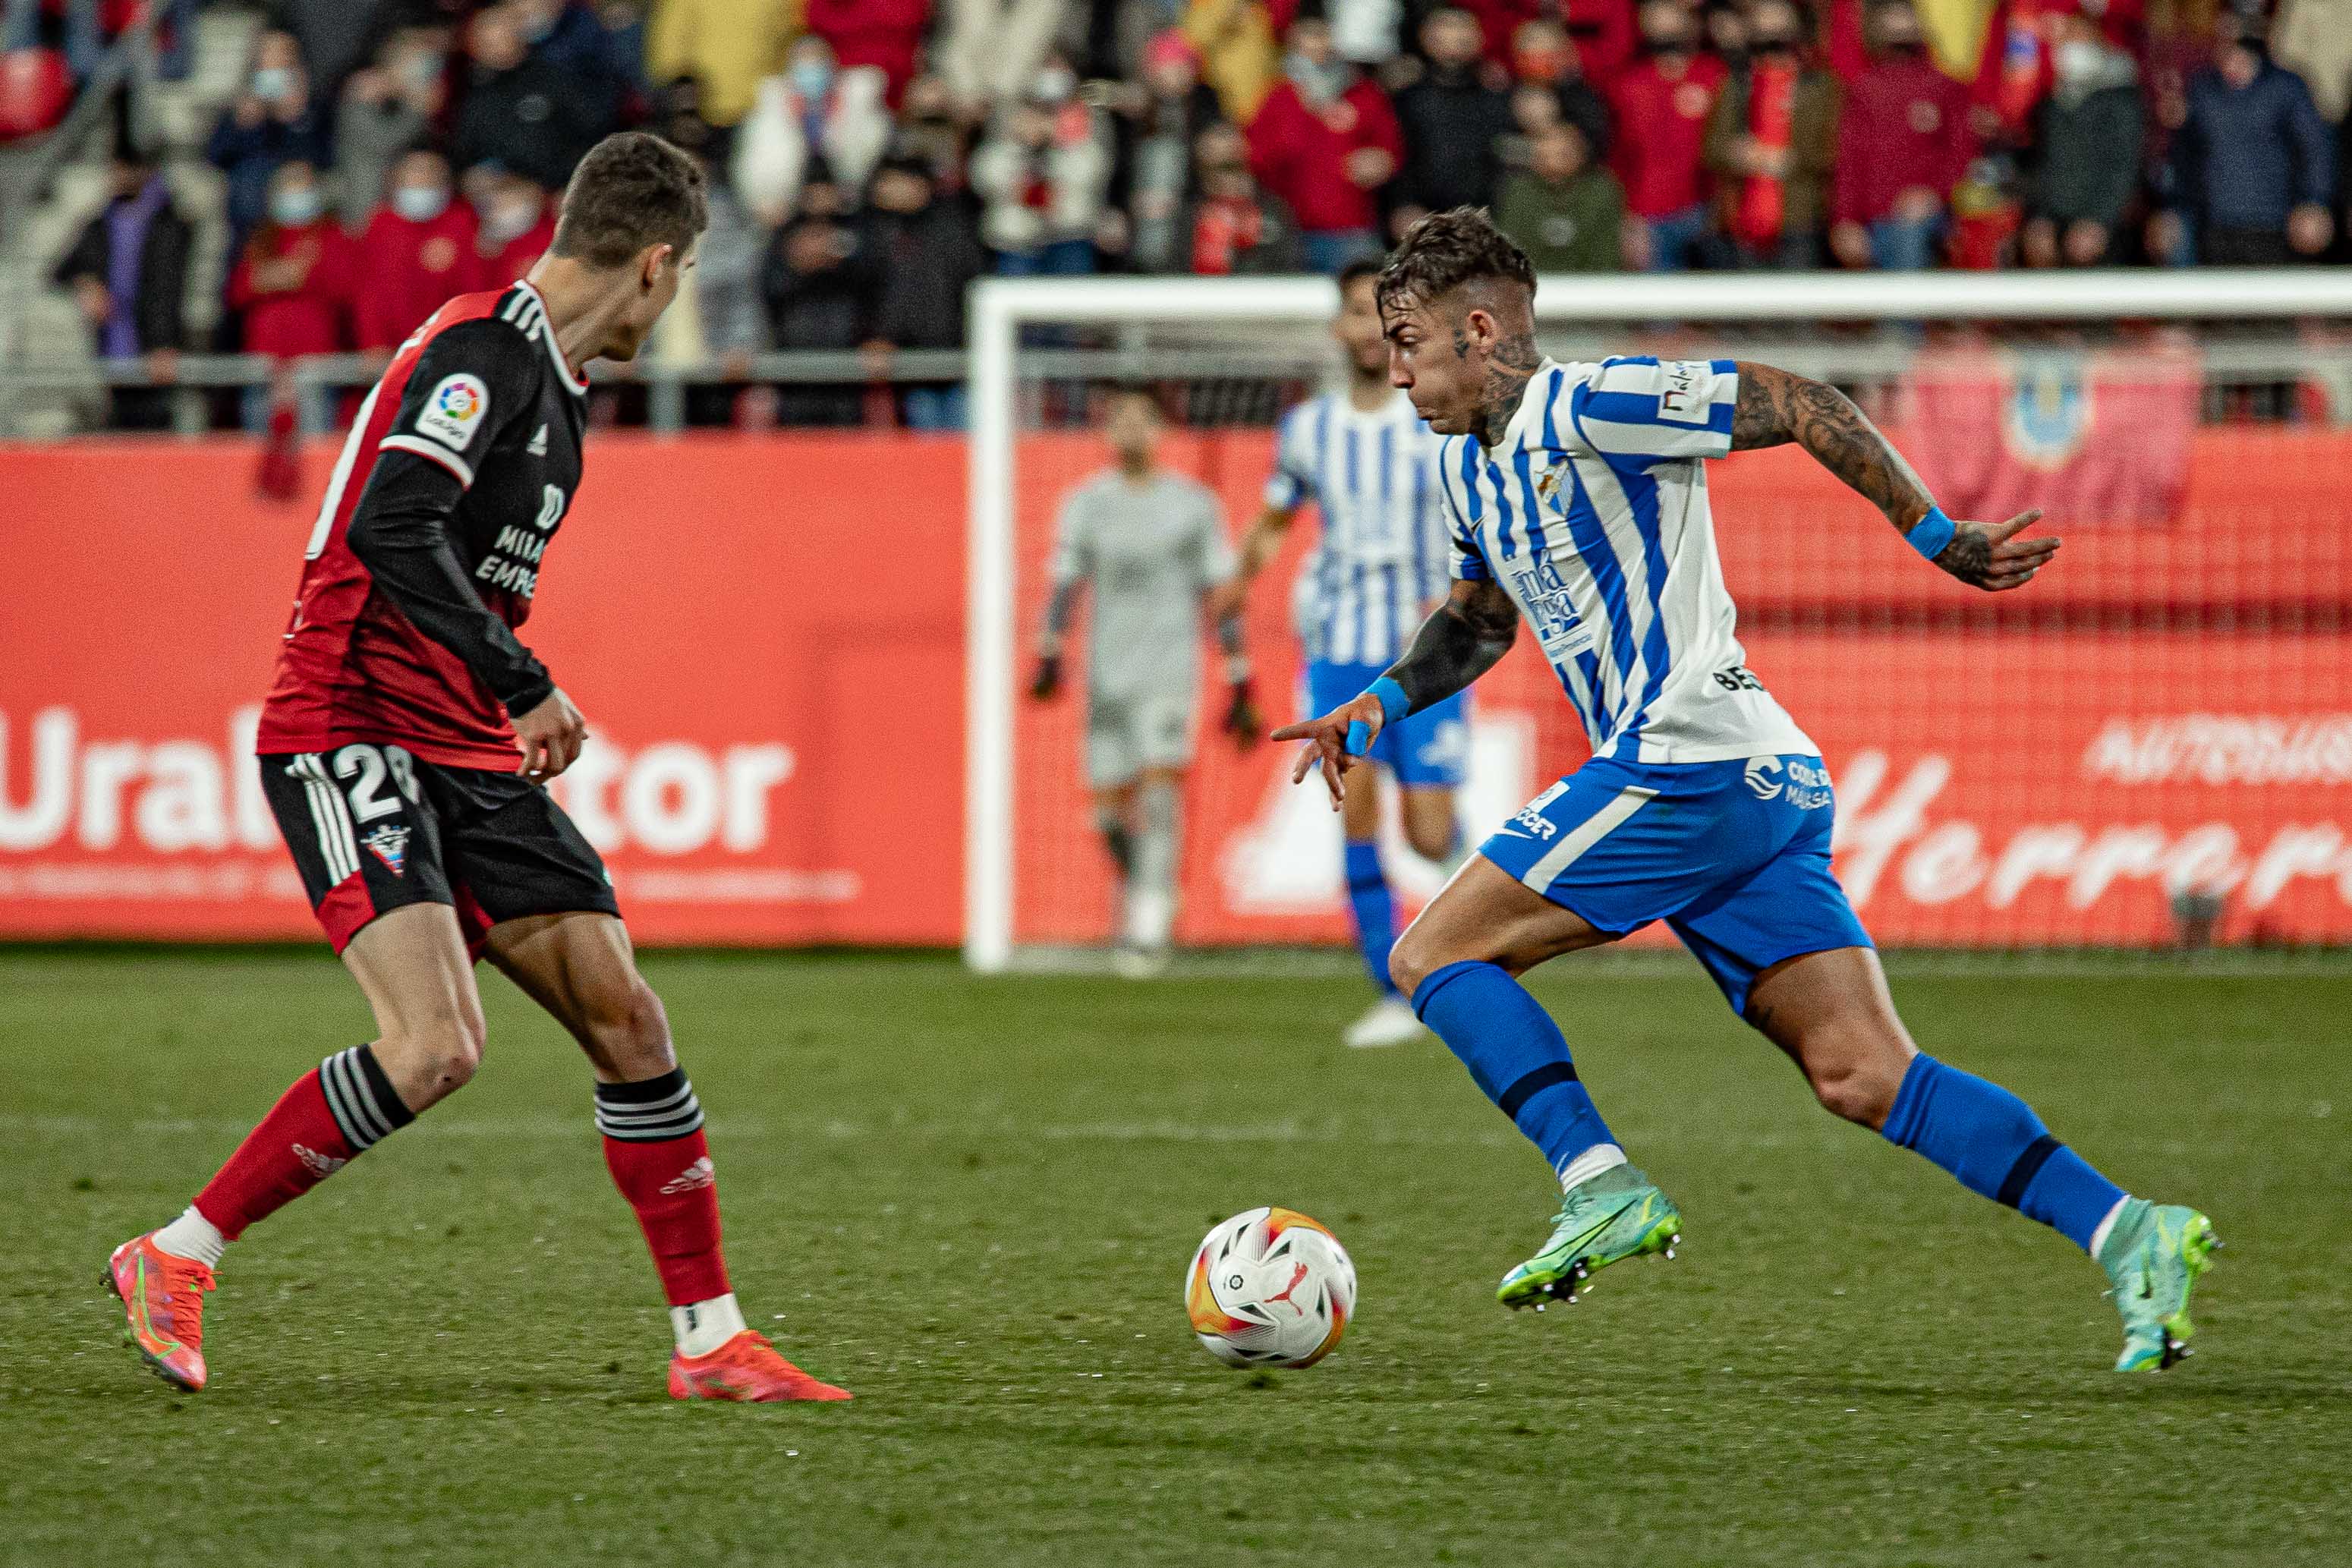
x: 871, y: 157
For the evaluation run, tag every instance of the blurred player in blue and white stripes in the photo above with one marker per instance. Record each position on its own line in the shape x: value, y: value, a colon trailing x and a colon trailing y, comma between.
x: 1366, y: 459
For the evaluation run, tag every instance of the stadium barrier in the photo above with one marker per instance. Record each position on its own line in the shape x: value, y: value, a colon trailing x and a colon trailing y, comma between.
x: 769, y: 635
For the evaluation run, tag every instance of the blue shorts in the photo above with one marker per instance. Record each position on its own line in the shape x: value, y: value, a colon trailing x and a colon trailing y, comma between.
x: 1428, y: 749
x: 1733, y: 855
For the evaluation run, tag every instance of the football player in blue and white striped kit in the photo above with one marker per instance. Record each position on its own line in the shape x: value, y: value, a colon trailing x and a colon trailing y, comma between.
x: 1365, y: 461
x: 1579, y: 503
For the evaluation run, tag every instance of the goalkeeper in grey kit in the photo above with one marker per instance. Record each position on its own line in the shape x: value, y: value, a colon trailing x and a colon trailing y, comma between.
x: 1152, y: 545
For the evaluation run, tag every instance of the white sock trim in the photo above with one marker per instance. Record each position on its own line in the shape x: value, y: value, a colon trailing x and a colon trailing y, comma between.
x: 2099, y: 1236
x: 702, y: 1327
x: 192, y: 1237
x: 1591, y: 1162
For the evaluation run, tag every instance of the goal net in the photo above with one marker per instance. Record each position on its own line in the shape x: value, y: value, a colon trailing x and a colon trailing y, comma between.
x: 2149, y: 747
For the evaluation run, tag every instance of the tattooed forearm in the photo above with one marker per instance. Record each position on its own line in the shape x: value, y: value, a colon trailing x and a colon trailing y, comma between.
x: 1463, y: 639
x: 1775, y: 407
x: 1508, y: 369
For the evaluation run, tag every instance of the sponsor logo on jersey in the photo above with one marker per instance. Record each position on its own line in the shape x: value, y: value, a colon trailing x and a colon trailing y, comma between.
x: 317, y: 1165
x: 390, y: 845
x: 693, y: 1178
x: 1684, y: 400
x: 1550, y: 610
x: 454, y: 410
x: 1803, y: 784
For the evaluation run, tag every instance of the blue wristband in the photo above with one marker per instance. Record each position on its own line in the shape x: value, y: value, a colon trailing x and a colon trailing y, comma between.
x: 1932, y: 532
x: 1394, y: 705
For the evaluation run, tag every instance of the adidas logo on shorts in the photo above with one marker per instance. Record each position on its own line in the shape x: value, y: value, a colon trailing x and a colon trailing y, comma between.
x: 317, y: 1165
x: 699, y: 1174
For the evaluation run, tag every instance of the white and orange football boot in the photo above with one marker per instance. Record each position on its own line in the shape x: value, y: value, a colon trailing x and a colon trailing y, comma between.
x: 163, y: 1299
x: 747, y: 1368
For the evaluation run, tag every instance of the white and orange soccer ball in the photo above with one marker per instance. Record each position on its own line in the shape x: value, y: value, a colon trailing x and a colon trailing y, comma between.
x: 1270, y: 1287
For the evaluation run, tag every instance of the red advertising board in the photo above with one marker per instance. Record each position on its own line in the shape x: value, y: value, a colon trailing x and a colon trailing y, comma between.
x: 767, y: 635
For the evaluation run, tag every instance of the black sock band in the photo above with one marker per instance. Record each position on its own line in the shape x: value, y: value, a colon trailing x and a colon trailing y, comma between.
x: 651, y: 1110
x: 2028, y: 1165
x: 366, y: 1107
x: 1533, y: 1083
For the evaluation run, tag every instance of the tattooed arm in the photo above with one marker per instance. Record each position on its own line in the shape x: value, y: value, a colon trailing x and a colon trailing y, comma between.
x: 1464, y: 638
x: 1776, y: 408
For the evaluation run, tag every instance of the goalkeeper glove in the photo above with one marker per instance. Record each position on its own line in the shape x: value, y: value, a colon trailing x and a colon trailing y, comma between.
x: 1243, y: 721
x: 1048, y: 679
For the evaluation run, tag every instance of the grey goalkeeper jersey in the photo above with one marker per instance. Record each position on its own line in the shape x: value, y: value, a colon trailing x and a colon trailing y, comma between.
x: 1148, y: 550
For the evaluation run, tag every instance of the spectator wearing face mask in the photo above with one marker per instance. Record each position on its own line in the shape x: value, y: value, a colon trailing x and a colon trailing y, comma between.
x: 820, y: 295
x: 1563, y: 210
x: 1662, y: 100
x: 1042, y: 175
x: 2252, y: 166
x: 925, y: 255
x: 1545, y: 58
x: 885, y: 33
x: 127, y: 273
x: 1156, y: 133
x: 521, y: 111
x: 1233, y: 227
x: 728, y: 45
x: 1903, y: 142
x: 418, y: 251
x: 387, y: 108
x: 514, y: 221
x: 1325, y: 142
x: 812, y: 110
x: 292, y: 286
x: 1772, y: 144
x: 272, y: 122
x: 1452, y: 122
x: 2085, y: 156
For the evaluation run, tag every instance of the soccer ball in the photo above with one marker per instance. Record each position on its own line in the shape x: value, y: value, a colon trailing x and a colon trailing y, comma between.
x: 1270, y: 1287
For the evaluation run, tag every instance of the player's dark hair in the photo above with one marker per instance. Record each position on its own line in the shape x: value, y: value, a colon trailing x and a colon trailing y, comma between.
x: 631, y: 191
x: 1443, y: 251
x: 1368, y: 265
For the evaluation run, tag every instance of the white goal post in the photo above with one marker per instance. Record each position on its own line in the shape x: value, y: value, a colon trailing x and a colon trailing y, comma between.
x: 1000, y: 308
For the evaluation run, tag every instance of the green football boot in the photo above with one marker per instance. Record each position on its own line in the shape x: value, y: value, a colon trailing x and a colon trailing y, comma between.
x: 1616, y: 1214
x: 2153, y: 1255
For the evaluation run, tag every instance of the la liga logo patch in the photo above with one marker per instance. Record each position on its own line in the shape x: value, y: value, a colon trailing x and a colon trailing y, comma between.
x: 454, y: 410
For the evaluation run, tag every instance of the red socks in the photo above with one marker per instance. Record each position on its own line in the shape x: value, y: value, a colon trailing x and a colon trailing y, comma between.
x: 655, y: 1148
x: 330, y: 1115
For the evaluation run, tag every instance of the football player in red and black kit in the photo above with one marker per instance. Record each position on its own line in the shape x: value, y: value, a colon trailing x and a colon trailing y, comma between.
x: 406, y: 749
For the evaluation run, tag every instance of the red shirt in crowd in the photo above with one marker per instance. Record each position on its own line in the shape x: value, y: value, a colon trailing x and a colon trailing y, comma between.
x: 1300, y: 153
x: 510, y: 261
x: 302, y: 307
x: 1605, y: 37
x: 1903, y: 124
x: 407, y: 270
x: 1662, y: 133
x: 886, y: 33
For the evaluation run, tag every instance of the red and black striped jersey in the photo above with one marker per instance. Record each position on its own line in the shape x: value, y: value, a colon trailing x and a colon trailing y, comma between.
x: 427, y: 553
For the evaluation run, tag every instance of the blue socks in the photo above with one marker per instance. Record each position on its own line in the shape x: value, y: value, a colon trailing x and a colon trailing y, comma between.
x: 1375, y: 913
x: 1517, y: 1054
x: 1998, y: 1148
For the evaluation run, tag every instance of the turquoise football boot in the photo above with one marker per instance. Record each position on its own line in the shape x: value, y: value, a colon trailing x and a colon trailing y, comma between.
x: 2153, y: 1255
x: 1616, y: 1214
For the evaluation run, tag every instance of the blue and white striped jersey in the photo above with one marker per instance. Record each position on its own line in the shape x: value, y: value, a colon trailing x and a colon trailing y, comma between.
x: 1380, y: 561
x: 1592, y: 513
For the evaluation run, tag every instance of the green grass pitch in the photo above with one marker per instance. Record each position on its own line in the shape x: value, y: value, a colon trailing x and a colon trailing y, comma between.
x: 971, y: 1203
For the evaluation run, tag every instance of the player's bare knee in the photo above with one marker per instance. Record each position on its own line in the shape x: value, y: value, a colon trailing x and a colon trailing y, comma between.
x: 1855, y: 1072
x: 1415, y: 956
x: 628, y: 1030
x: 429, y: 1059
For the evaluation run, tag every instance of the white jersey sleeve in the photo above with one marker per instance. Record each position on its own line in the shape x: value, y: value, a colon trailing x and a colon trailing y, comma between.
x: 1213, y: 552
x: 1292, y: 482
x: 1639, y: 410
x: 1073, y: 540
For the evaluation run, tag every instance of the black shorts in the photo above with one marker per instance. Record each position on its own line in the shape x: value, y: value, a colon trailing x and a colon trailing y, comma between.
x: 373, y: 828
